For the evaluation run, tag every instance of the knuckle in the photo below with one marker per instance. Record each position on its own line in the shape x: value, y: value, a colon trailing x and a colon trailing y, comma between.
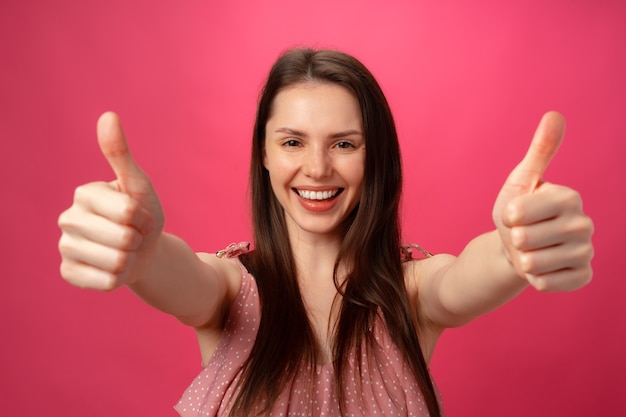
x: 588, y: 226
x: 583, y: 277
x: 65, y: 270
x: 586, y: 254
x: 70, y: 274
x: 62, y: 220
x: 66, y: 220
x: 64, y: 245
x: 580, y: 257
x: 105, y: 281
x: 111, y: 282
x: 541, y: 284
x: 592, y: 226
x: 591, y: 252
x: 588, y: 276
x: 97, y: 279
x: 121, y: 262
x: 128, y: 239
x: 128, y: 208
x: 581, y: 225
x: 572, y: 199
x: 519, y: 237
x: 71, y: 220
x: 527, y: 262
x: 81, y: 192
x: 513, y: 212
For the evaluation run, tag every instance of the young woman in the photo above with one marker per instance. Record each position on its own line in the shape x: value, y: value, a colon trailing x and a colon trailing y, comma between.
x: 329, y: 314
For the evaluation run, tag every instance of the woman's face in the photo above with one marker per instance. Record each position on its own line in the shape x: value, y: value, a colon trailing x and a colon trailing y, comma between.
x: 315, y: 155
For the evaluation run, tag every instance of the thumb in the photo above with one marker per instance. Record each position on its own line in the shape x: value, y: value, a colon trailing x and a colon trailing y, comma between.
x: 527, y: 175
x: 114, y: 147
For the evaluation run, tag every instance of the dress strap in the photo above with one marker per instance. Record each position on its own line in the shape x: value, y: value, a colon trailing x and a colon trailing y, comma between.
x: 236, y: 249
x: 408, y: 250
x: 233, y: 250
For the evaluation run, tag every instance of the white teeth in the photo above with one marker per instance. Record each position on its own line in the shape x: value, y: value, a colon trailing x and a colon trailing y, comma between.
x: 317, y: 195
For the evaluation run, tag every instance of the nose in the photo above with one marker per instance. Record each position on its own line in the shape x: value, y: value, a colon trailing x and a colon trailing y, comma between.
x: 317, y: 163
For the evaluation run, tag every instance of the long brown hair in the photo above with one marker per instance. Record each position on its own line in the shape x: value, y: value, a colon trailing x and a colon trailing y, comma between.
x: 370, y: 248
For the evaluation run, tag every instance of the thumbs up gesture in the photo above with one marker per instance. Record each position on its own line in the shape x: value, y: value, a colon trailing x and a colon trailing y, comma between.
x: 545, y: 234
x: 111, y: 226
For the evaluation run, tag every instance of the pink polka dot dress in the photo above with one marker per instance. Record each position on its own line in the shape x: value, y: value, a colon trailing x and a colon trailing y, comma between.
x: 387, y: 386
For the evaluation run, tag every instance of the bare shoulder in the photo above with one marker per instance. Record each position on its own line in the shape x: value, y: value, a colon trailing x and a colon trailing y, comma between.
x: 228, y: 271
x: 419, y: 273
x: 421, y: 276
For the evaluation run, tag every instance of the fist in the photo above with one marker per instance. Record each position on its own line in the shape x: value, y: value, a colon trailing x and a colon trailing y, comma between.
x: 545, y: 234
x: 110, y: 226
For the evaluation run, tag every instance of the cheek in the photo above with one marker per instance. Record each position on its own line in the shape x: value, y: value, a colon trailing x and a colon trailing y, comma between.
x: 358, y: 179
x: 271, y: 161
x: 280, y: 166
x: 279, y: 174
x: 355, y: 171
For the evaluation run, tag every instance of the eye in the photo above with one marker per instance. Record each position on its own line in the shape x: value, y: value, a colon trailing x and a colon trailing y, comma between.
x: 290, y: 143
x: 344, y: 145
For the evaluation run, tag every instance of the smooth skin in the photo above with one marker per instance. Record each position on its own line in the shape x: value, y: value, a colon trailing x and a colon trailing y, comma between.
x: 112, y: 235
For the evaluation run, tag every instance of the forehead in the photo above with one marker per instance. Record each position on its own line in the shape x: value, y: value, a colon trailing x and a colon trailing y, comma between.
x: 316, y: 104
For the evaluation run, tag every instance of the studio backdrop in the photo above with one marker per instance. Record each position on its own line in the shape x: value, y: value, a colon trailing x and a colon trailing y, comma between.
x: 467, y: 81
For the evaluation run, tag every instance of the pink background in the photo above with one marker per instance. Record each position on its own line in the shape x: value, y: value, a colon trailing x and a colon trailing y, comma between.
x: 467, y: 81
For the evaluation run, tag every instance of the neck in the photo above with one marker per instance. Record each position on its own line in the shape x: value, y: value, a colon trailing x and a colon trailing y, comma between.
x: 315, y: 254
x: 315, y: 258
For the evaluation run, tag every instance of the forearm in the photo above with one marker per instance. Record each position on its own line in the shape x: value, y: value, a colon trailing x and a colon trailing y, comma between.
x: 480, y: 280
x: 171, y: 278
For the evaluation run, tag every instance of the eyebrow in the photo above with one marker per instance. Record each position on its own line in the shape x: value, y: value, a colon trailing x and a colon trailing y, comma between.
x: 301, y: 134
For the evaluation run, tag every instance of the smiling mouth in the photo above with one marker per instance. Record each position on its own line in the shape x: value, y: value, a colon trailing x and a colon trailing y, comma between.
x: 318, y: 195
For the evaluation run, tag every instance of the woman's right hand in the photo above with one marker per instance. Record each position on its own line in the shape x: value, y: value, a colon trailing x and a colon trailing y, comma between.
x: 110, y: 228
